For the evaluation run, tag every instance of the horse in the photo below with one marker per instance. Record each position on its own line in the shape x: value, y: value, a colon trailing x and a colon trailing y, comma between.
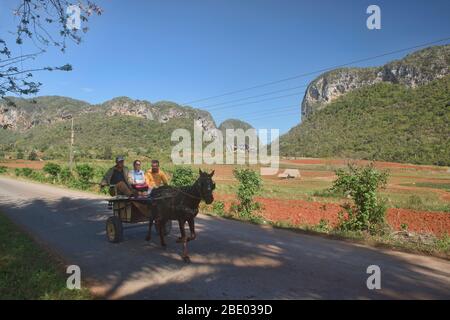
x: 181, y: 204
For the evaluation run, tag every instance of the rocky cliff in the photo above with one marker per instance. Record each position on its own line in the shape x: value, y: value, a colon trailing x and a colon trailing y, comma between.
x: 418, y: 68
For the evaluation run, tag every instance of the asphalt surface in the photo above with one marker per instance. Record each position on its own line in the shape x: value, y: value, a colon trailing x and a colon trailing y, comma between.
x: 230, y: 259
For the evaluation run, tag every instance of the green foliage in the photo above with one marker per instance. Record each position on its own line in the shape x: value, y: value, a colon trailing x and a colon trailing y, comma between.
x: 250, y: 184
x: 443, y: 243
x: 20, y: 155
x: 323, y: 226
x: 53, y: 169
x: 26, y: 172
x: 385, y: 121
x: 218, y: 208
x: 33, y: 155
x: 17, y: 172
x: 182, y: 176
x: 361, y: 184
x: 65, y: 174
x: 85, y: 174
x: 107, y: 153
x: 3, y: 169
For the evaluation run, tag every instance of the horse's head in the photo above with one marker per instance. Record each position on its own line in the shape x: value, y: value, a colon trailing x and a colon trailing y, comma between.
x: 206, y: 186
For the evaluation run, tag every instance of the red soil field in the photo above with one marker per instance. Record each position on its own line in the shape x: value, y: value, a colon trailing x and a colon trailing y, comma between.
x: 301, y: 212
x: 23, y: 164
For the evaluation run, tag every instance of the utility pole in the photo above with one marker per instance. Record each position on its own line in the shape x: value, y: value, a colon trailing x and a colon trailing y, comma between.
x: 72, y: 137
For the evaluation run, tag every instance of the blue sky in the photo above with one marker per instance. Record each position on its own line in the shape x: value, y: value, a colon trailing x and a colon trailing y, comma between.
x: 191, y: 49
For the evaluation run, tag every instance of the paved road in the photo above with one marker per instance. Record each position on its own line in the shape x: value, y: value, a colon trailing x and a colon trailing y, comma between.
x: 230, y: 260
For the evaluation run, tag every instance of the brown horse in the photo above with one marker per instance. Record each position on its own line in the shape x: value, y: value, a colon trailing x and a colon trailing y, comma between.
x: 181, y: 204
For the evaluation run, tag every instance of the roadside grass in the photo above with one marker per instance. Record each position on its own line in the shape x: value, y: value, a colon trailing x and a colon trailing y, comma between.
x: 29, y: 272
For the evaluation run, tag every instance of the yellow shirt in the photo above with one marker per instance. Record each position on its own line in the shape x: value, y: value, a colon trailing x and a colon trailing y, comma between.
x: 155, y: 179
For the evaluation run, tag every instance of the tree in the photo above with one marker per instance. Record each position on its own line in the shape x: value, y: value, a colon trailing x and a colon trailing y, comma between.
x: 35, y: 19
x: 361, y: 185
x: 250, y: 184
x: 33, y: 155
x: 20, y: 154
x: 107, y: 153
x: 182, y: 176
x: 53, y: 169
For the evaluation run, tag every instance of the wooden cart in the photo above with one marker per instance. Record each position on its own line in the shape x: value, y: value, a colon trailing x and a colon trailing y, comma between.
x: 128, y: 210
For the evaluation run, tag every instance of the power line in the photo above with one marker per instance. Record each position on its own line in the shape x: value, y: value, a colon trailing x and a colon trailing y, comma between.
x: 277, y: 116
x: 257, y: 101
x: 255, y: 96
x: 317, y: 71
x: 269, y: 111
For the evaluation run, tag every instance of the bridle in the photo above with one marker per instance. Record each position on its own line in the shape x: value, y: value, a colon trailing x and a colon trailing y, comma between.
x: 199, y: 190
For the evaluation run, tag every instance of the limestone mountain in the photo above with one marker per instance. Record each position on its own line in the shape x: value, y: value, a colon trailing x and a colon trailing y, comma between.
x: 123, y: 124
x: 396, y: 112
x: 234, y: 124
x: 417, y: 68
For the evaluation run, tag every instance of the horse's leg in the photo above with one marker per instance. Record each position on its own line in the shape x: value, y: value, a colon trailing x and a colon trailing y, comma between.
x: 185, y: 252
x: 182, y: 237
x: 149, y: 233
x: 191, y: 229
x: 160, y: 223
x: 153, y: 215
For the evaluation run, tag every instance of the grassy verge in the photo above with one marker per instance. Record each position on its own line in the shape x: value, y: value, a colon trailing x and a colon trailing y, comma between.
x: 28, y: 271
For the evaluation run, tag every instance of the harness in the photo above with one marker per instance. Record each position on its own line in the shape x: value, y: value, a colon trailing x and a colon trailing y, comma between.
x: 181, y: 206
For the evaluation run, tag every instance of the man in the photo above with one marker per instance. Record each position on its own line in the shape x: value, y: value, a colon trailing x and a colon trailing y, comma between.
x: 117, y: 179
x: 155, y: 177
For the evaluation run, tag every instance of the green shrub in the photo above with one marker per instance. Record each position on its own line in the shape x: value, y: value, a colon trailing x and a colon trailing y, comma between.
x: 3, y: 169
x: 33, y: 156
x: 38, y: 176
x: 85, y: 174
x: 443, y: 243
x: 367, y: 213
x: 52, y: 169
x: 20, y: 155
x: 18, y: 172
x: 182, y: 176
x: 65, y: 174
x: 218, y: 208
x: 27, y: 172
x: 250, y: 184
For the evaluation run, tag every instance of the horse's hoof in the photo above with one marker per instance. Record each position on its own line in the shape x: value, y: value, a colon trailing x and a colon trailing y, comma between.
x: 181, y: 240
x: 191, y: 238
x: 187, y: 259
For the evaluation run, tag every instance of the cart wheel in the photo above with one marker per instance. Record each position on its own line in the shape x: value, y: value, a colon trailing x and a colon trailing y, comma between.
x: 167, y: 228
x: 114, y: 230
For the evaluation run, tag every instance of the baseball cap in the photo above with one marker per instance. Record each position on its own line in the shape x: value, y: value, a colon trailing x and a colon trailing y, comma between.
x: 120, y: 158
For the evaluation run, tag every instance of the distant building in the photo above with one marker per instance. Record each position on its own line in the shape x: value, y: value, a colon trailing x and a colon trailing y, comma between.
x: 289, y: 174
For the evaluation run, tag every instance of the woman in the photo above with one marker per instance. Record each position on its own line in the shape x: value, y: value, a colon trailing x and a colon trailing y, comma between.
x: 137, y: 178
